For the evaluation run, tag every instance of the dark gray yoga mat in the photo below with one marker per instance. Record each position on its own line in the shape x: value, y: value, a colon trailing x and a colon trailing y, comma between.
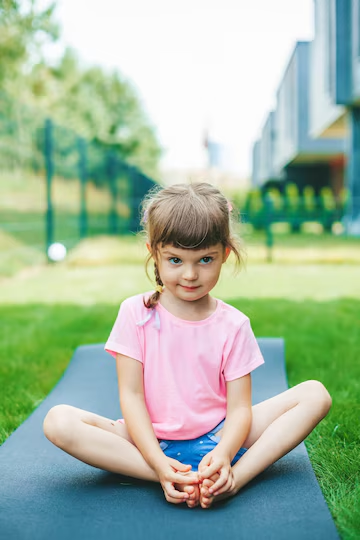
x: 47, y: 494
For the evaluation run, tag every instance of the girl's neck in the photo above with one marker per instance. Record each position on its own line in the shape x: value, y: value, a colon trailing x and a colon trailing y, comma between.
x: 190, y: 311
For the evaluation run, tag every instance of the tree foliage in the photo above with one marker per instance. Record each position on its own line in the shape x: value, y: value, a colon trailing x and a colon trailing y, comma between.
x: 102, y: 107
x: 24, y: 30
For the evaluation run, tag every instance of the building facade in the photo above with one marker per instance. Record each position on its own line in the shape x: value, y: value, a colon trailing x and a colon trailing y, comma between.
x: 337, y: 54
x: 316, y: 137
x: 264, y: 153
x: 296, y: 157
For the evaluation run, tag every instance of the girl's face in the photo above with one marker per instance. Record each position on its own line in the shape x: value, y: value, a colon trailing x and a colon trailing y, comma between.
x: 190, y: 274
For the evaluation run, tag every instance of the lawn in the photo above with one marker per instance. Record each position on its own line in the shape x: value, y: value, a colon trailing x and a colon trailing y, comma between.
x: 46, y: 312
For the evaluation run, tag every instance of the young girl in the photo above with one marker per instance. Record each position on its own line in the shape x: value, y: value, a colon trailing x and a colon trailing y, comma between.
x: 184, y: 361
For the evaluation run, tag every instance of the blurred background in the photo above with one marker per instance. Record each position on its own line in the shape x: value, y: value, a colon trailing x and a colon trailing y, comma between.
x: 100, y: 101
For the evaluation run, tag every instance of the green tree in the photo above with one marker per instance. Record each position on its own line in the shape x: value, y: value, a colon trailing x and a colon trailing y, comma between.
x: 102, y: 107
x: 24, y: 28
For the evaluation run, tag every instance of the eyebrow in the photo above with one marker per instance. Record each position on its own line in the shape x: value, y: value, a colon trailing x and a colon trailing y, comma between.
x: 174, y: 254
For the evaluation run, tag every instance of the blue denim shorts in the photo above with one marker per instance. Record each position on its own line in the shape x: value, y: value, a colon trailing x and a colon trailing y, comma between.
x: 191, y: 452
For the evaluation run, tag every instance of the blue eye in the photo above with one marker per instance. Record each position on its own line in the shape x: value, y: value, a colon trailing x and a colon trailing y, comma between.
x: 177, y: 259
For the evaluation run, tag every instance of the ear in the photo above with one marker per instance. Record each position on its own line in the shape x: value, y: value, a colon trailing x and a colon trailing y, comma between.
x: 227, y: 253
x: 148, y: 246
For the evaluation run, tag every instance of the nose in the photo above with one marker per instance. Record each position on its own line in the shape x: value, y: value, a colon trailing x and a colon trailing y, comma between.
x: 189, y: 272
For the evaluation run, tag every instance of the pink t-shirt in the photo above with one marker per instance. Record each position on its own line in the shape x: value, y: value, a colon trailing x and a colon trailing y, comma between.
x: 185, y: 363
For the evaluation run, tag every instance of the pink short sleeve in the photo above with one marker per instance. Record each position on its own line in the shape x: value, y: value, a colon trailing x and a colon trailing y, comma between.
x: 124, y: 337
x: 245, y: 354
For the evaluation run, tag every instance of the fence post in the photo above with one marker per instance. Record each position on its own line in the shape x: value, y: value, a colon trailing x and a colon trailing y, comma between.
x: 49, y: 166
x: 136, y: 190
x: 83, y: 179
x: 268, y: 220
x: 111, y: 173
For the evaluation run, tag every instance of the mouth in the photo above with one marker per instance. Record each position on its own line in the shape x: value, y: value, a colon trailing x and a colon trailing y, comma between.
x: 189, y: 288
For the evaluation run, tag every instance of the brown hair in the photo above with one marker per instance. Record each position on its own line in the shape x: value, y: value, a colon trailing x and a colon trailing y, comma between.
x: 192, y: 216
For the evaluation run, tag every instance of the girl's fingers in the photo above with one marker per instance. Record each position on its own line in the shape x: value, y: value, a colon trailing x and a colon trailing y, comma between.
x: 173, y: 500
x: 205, y: 462
x: 173, y: 493
x: 218, y: 486
x: 209, y: 471
x: 184, y: 479
x: 179, y: 466
x: 222, y: 484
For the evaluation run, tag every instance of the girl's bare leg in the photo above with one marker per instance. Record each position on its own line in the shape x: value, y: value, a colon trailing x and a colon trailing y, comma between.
x: 278, y: 425
x: 97, y: 441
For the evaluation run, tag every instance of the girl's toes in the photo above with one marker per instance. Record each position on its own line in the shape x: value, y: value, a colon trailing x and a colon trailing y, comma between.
x: 205, y: 502
x: 194, y: 496
x: 205, y: 491
x: 206, y: 496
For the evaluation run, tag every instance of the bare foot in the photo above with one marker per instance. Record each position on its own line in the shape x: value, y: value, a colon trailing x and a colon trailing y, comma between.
x: 192, y: 489
x: 207, y: 498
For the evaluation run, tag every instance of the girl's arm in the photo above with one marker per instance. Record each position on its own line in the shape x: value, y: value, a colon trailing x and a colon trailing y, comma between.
x: 136, y: 416
x: 139, y: 426
x: 236, y: 429
x: 238, y: 416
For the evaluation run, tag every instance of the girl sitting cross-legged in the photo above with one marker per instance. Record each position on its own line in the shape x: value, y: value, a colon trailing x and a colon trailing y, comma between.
x: 184, y: 360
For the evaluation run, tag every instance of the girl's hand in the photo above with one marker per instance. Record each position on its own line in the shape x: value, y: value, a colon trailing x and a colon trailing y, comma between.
x: 216, y: 462
x: 170, y: 472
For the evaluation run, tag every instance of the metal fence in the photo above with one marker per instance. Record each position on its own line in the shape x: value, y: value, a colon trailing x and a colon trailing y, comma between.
x: 36, y: 151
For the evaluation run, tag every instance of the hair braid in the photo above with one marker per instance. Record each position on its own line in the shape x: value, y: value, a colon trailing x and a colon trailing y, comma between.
x: 154, y: 298
x: 157, y: 275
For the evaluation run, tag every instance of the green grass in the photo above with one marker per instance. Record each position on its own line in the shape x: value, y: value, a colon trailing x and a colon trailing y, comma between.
x: 35, y: 346
x: 29, y: 228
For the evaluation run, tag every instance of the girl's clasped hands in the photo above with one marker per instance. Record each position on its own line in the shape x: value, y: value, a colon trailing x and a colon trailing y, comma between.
x: 213, y: 478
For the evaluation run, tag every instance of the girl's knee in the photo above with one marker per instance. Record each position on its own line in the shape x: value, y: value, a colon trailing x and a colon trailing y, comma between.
x: 58, y: 424
x: 315, y: 391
